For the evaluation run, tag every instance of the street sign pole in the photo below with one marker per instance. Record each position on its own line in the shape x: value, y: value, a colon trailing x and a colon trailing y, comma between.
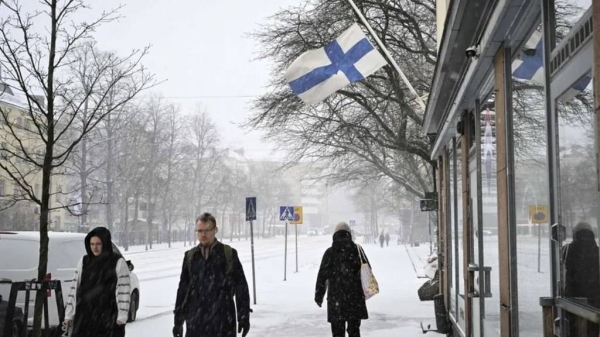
x: 285, y: 254
x: 296, y: 248
x: 253, y: 268
x: 251, y: 216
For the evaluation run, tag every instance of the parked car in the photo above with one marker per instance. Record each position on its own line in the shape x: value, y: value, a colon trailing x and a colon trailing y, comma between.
x: 17, y: 321
x: 64, y: 252
x: 312, y: 232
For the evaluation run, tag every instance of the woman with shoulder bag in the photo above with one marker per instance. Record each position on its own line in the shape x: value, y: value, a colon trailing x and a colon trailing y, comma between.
x: 340, y: 276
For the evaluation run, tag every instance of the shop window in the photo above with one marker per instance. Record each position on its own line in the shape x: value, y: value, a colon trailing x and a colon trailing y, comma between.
x: 579, y: 206
x: 451, y: 238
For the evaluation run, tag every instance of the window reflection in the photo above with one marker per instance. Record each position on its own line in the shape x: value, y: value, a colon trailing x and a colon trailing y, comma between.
x: 451, y: 237
x: 580, y: 264
x: 489, y: 197
x: 568, y: 13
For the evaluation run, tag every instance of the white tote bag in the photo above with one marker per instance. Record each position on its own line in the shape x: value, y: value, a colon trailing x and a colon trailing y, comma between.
x: 369, y: 283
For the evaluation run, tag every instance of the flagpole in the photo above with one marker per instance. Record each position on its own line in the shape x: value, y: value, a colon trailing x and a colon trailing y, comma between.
x: 387, y: 53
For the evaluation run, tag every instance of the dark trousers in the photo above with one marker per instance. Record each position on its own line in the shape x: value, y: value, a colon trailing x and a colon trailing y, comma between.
x: 353, y: 328
x: 118, y: 331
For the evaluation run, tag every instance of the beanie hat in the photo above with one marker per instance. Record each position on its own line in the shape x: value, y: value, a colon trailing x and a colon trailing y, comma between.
x: 342, y: 226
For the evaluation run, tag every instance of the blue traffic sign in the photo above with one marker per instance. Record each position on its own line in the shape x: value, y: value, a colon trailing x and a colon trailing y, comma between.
x: 286, y: 213
x: 251, y: 209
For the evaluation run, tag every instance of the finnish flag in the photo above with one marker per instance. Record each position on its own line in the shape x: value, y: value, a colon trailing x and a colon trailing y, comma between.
x: 317, y: 74
x: 530, y: 66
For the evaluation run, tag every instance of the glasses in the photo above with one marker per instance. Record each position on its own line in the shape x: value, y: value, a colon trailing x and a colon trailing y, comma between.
x: 204, y: 231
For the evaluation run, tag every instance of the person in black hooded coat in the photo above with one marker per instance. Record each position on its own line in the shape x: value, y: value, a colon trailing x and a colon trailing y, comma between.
x: 582, y: 273
x: 339, y: 276
x: 98, y: 304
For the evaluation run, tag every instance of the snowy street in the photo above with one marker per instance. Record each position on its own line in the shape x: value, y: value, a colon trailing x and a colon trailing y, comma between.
x: 287, y: 309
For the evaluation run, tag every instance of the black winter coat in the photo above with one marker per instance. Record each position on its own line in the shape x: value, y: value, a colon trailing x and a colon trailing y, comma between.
x: 96, y: 308
x: 210, y: 310
x: 339, y: 276
x: 582, y: 271
x: 582, y: 276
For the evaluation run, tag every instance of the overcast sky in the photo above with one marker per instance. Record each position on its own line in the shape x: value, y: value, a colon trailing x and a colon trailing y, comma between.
x: 200, y: 48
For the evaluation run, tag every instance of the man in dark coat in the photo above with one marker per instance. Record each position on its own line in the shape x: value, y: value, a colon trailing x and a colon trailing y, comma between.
x: 211, y: 276
x: 98, y: 304
x: 339, y: 276
x: 582, y: 273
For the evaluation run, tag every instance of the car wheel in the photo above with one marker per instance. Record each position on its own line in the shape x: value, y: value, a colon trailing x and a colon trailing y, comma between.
x: 133, y: 306
x: 16, y: 329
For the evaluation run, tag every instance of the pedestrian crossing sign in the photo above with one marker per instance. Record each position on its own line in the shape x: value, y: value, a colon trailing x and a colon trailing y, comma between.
x: 286, y: 213
x: 251, y: 209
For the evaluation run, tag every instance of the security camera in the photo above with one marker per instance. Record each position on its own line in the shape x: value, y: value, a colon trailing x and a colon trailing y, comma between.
x: 472, y: 52
x: 529, y: 51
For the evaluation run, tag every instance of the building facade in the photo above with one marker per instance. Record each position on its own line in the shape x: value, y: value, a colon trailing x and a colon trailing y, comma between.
x: 512, y: 119
x: 20, y: 145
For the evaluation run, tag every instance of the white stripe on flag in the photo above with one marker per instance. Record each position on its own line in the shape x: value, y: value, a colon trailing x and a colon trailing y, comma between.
x: 318, y: 73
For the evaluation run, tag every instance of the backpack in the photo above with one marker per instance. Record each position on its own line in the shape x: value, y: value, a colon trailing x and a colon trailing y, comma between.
x: 189, y: 257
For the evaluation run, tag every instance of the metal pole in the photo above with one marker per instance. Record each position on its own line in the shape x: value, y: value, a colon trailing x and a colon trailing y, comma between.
x: 548, y: 28
x: 510, y: 178
x: 253, y: 268
x: 285, y: 254
x: 539, y: 247
x: 430, y: 239
x: 296, y: 248
x: 387, y: 53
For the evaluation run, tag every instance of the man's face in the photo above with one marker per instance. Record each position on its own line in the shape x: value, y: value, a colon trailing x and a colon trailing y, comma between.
x: 206, y: 232
x: 96, y: 245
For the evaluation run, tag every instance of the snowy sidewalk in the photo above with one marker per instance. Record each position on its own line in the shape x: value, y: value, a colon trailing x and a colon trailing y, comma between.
x: 287, y: 309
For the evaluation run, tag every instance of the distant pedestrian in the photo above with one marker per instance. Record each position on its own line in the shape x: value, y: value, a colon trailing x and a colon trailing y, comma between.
x: 98, y: 305
x: 340, y: 276
x: 381, y: 239
x: 387, y: 239
x: 211, y: 277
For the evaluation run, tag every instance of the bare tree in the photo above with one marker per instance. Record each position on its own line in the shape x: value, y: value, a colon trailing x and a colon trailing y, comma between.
x: 374, y: 123
x: 171, y: 177
x: 131, y: 173
x: 201, y: 145
x: 35, y: 64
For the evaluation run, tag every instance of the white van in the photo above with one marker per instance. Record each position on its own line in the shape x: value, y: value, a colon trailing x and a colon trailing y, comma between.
x: 19, y: 255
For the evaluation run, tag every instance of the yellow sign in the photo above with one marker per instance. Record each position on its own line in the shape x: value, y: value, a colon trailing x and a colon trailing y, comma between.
x: 538, y: 214
x: 297, y: 216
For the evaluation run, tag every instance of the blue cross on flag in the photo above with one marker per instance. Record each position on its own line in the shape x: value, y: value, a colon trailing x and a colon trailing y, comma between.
x: 317, y: 74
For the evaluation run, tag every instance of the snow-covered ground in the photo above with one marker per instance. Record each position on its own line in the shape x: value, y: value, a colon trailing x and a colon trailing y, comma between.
x: 287, y: 308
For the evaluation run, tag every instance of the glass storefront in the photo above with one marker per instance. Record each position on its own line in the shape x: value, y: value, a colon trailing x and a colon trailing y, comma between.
x: 531, y: 204
x: 489, y: 197
x: 578, y: 202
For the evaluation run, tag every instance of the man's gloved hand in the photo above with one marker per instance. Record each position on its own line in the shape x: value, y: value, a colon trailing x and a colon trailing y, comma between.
x: 178, y: 331
x: 244, y: 327
x: 319, y: 303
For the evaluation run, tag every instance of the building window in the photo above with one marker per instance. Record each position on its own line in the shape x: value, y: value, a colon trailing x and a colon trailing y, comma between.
x: 58, y: 192
x: 2, y: 187
x: 3, y: 152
